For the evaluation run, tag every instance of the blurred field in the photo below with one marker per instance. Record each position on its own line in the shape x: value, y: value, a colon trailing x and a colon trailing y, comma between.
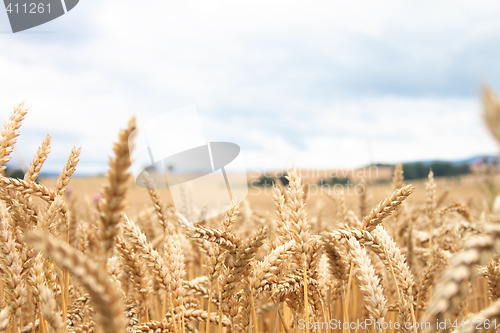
x: 477, y: 190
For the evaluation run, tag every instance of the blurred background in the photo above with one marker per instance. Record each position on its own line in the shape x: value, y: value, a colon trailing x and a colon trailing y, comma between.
x: 317, y: 84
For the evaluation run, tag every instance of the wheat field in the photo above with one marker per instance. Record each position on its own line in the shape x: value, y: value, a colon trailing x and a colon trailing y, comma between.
x: 297, y: 263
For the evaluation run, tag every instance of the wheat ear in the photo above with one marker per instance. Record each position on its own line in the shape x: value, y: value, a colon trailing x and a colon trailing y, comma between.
x: 386, y: 207
x: 176, y: 267
x: 434, y: 268
x: 282, y: 228
x: 49, y: 309
x: 36, y: 165
x: 11, y: 268
x: 114, y: 192
x: 266, y: 273
x: 104, y: 293
x: 430, y: 200
x: 68, y: 170
x: 458, y: 208
x: 369, y: 282
x: 9, y: 134
x: 159, y: 269
x: 493, y: 275
x: 398, y: 176
x: 137, y: 270
x: 225, y: 239
x: 28, y: 188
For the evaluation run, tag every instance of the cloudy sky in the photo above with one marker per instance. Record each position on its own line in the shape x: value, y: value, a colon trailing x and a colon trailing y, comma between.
x: 316, y: 83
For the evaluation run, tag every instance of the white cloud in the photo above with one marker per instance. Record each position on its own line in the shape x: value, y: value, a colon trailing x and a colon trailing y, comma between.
x: 381, y: 130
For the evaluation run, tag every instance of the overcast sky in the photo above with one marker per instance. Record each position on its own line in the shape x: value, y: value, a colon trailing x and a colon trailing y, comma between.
x: 313, y: 83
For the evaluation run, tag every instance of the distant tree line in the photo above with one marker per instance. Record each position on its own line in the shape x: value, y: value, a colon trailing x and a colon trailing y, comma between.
x: 332, y: 181
x: 441, y: 169
x: 415, y: 170
x: 267, y: 180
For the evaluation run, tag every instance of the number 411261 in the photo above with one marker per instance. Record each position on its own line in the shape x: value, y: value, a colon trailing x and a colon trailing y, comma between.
x: 28, y: 8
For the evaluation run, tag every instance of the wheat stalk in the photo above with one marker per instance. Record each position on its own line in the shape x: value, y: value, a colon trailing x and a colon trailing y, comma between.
x: 386, y: 207
x: 114, y: 192
x: 36, y: 165
x: 9, y: 135
x: 105, y: 296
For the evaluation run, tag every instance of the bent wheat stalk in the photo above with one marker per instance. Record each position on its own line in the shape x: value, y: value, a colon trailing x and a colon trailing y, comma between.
x: 104, y: 293
x: 386, y: 207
